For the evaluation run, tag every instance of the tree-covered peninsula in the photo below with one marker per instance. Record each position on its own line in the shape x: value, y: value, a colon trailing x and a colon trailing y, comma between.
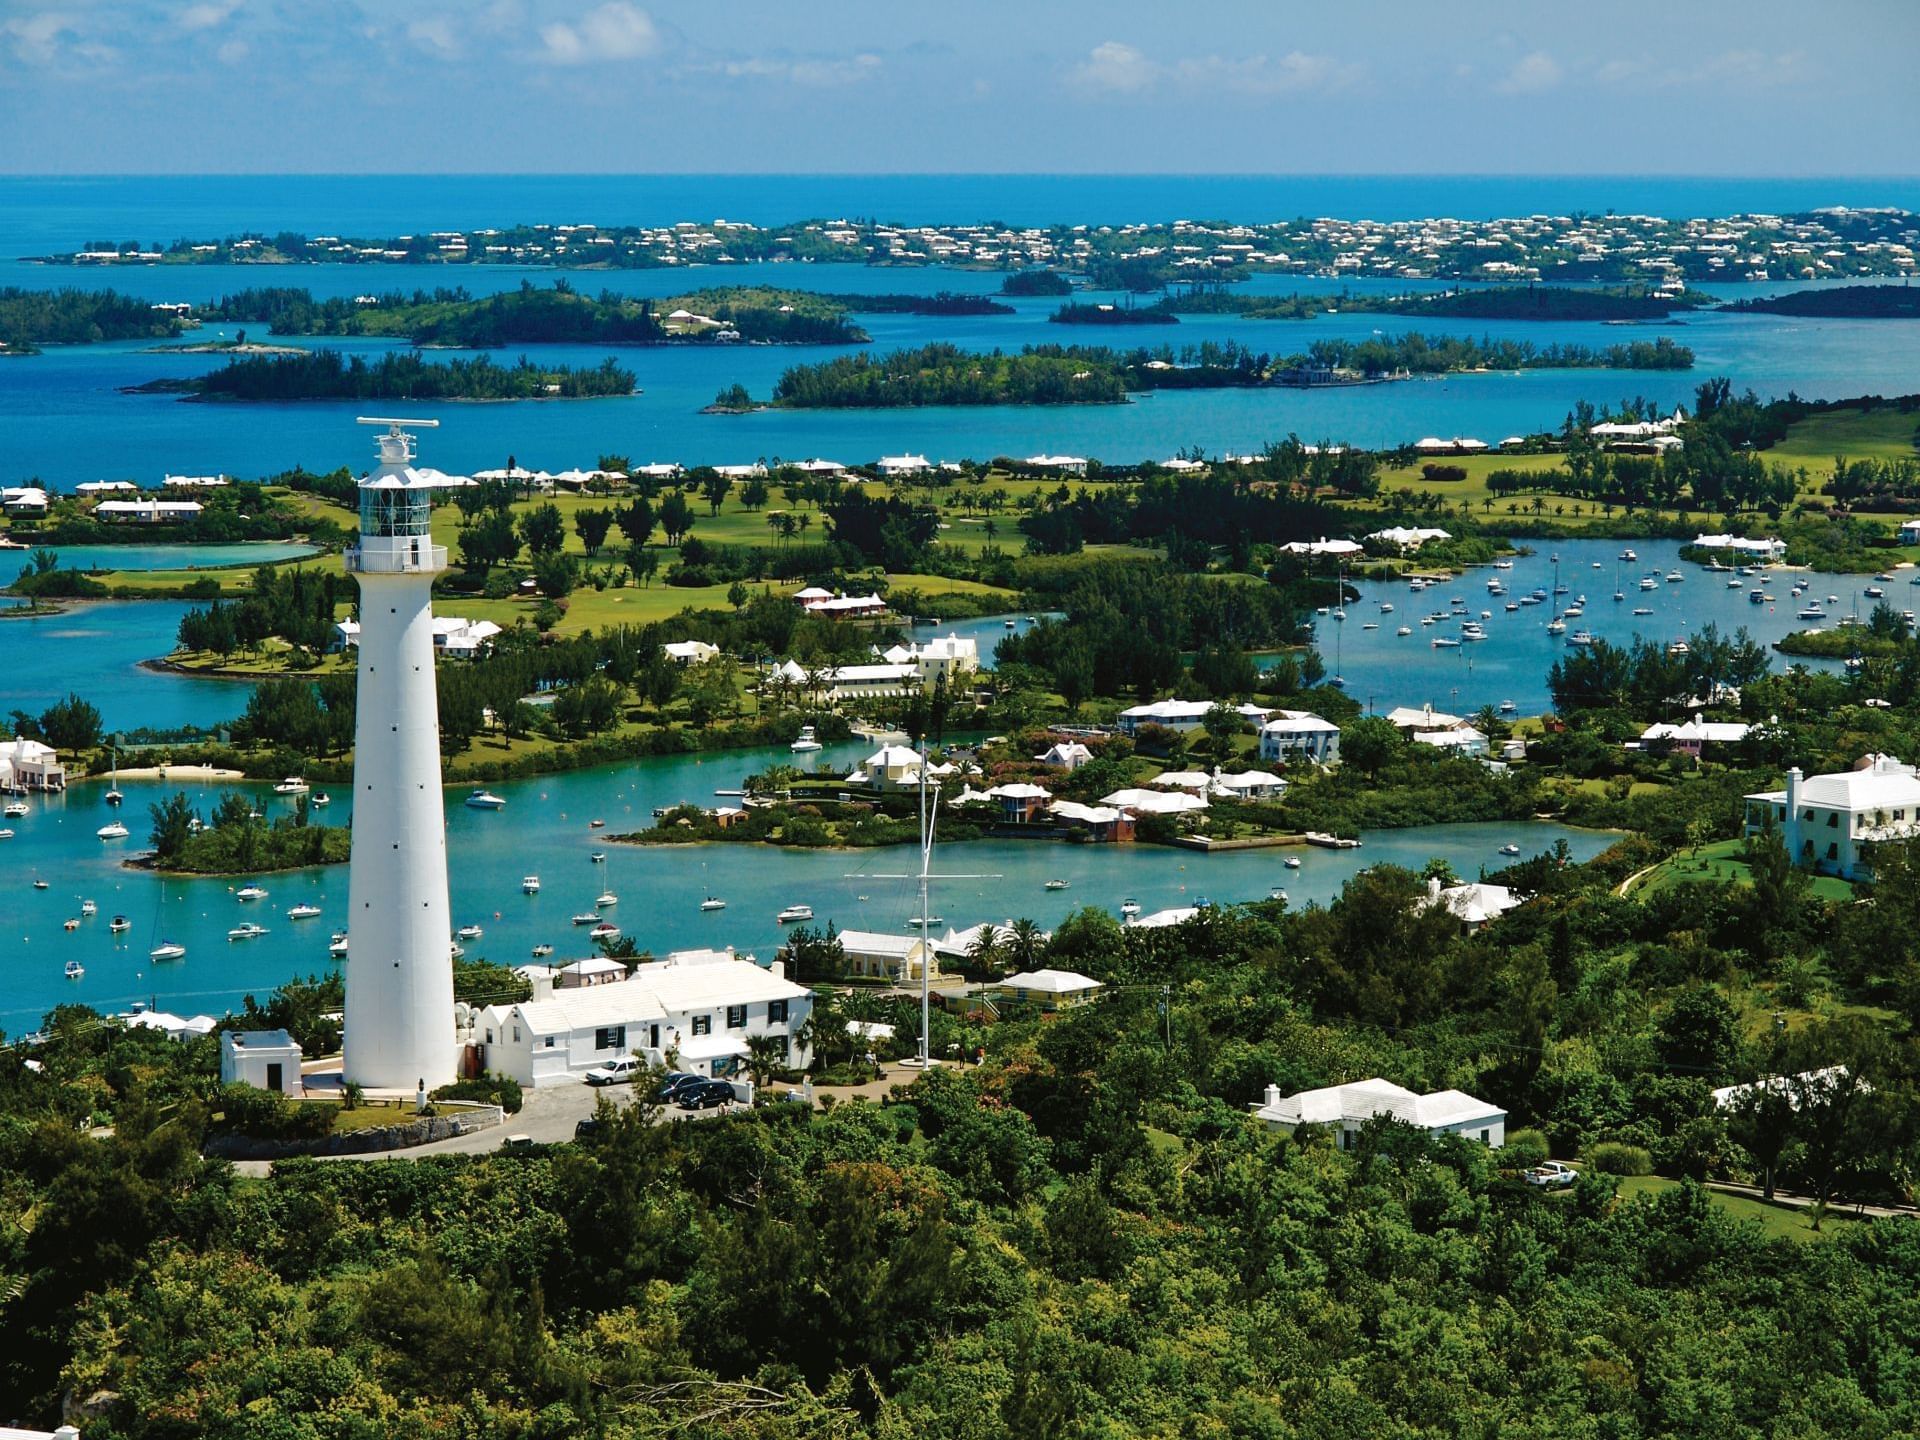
x: 1840, y: 302
x: 944, y: 374
x: 30, y: 319
x: 328, y: 375
x: 553, y: 315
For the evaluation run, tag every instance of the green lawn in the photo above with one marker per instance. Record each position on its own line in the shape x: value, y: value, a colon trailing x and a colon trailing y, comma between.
x: 1879, y: 434
x: 1779, y: 1222
x: 1720, y: 863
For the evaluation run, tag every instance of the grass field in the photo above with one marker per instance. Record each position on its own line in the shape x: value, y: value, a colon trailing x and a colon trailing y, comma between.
x: 1858, y: 434
x: 1779, y: 1222
x: 1720, y: 863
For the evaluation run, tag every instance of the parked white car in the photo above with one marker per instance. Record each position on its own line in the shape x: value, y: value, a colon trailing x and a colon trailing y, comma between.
x: 623, y: 1071
x: 1552, y: 1176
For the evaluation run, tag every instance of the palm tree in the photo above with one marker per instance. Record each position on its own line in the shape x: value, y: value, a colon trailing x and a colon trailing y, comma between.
x: 766, y: 1057
x: 1025, y: 943
x: 984, y: 953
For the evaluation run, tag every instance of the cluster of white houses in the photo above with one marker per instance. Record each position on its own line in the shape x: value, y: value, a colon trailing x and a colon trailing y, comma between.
x: 120, y: 501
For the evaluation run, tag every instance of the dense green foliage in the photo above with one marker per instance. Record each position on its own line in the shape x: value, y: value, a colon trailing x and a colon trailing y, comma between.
x: 233, y: 841
x: 553, y: 315
x: 1036, y: 282
x: 943, y: 374
x: 32, y: 318
x: 1842, y: 302
x: 328, y: 375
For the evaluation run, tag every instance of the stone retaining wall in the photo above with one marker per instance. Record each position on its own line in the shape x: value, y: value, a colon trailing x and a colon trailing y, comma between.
x: 420, y: 1131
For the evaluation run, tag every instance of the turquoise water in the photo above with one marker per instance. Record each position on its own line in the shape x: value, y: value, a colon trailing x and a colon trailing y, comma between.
x: 154, y: 557
x: 544, y: 829
x: 96, y: 650
x: 1384, y: 669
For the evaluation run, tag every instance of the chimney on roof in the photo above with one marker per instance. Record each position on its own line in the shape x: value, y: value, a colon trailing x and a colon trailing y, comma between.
x: 1273, y: 1096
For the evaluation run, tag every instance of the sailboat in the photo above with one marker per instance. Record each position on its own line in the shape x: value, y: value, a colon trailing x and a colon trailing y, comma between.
x: 113, y: 796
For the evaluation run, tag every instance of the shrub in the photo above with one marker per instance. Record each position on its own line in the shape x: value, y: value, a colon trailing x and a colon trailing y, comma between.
x: 1525, y: 1149
x: 1610, y: 1157
x: 269, y: 1115
x: 501, y: 1090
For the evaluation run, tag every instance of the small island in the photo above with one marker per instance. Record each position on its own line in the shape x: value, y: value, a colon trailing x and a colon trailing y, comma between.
x: 1036, y: 282
x: 1092, y: 375
x: 327, y: 375
x: 1840, y: 302
x: 1075, y: 312
x: 235, y: 840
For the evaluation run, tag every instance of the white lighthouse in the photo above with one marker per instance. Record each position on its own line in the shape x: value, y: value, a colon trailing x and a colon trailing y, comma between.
x: 399, y: 1020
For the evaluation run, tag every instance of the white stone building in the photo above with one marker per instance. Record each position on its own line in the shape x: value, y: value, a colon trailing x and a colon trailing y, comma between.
x: 1346, y: 1108
x: 1830, y: 822
x: 264, y: 1059
x: 1300, y: 735
x: 696, y: 1007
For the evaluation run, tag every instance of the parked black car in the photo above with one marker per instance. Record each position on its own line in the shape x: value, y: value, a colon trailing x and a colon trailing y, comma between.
x: 704, y: 1095
x: 673, y: 1083
x: 587, y: 1129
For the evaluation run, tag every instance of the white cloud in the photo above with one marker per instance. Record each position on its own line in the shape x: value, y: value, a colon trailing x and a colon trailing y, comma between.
x: 206, y: 16
x: 1292, y: 73
x: 436, y: 36
x: 1116, y: 69
x: 615, y: 31
x: 36, y: 38
x: 817, y: 72
x: 1531, y: 74
x: 1745, y: 69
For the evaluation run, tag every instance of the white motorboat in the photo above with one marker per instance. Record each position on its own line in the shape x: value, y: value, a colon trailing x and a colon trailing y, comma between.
x: 596, y: 824
x: 606, y: 930
x: 7, y: 833
x: 929, y: 922
x: 485, y: 800
x: 456, y: 950
x: 794, y: 913
x: 1674, y: 577
x: 713, y: 902
x: 1445, y: 642
x: 1556, y: 627
x: 292, y: 785
x: 1276, y: 893
x: 1055, y: 885
x: 1679, y: 647
x: 119, y: 925
x: 249, y: 931
x: 530, y: 884
x: 337, y: 945
x: 1292, y: 862
x: 804, y: 742
x: 39, y: 884
x: 321, y: 800
x: 75, y: 970
x: 540, y: 952
x: 113, y: 830
x: 587, y: 917
x: 468, y: 932
x: 1404, y: 630
x: 250, y: 892
x: 88, y: 908
x: 14, y: 809
x: 1509, y: 849
x: 1641, y: 610
x: 1647, y: 583
x: 598, y: 857
x: 1580, y: 637
x: 70, y: 923
x: 303, y: 911
x: 1507, y: 707
x: 168, y: 950
x: 604, y: 899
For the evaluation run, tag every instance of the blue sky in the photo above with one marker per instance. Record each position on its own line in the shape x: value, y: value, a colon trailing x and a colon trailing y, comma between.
x: 1754, y: 87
